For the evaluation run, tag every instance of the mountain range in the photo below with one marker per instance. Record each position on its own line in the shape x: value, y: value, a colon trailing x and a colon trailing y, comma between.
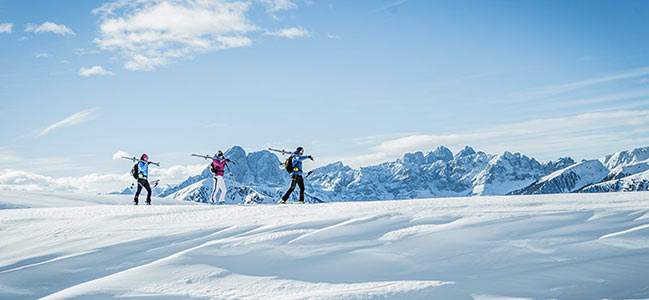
x: 256, y: 177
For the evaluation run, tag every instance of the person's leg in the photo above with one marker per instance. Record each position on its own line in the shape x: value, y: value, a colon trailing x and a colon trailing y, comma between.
x: 222, y: 188
x: 146, y: 185
x: 300, y: 182
x: 290, y: 190
x: 137, y: 193
x: 214, y: 190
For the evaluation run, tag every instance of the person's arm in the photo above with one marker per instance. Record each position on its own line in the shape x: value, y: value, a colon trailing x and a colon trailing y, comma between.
x: 304, y: 157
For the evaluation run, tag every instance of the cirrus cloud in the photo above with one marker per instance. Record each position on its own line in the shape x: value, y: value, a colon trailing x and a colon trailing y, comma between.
x: 77, y: 118
x: 49, y: 27
x: 291, y: 33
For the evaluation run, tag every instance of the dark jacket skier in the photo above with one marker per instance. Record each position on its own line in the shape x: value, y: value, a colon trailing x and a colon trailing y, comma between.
x: 296, y: 175
x: 142, y: 179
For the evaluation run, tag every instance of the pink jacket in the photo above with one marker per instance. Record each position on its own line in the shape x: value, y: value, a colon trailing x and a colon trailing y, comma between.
x: 219, y: 166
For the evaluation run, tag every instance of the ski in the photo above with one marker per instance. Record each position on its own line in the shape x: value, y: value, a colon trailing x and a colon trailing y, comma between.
x: 139, y: 160
x: 281, y: 151
x: 210, y: 157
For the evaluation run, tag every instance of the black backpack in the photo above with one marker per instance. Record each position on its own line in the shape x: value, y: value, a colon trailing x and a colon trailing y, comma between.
x: 135, y: 171
x: 289, y: 164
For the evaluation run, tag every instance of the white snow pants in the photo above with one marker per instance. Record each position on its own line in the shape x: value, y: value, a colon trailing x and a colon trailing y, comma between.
x: 219, y: 184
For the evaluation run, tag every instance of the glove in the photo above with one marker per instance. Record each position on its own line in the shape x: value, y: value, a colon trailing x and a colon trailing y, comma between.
x: 310, y: 157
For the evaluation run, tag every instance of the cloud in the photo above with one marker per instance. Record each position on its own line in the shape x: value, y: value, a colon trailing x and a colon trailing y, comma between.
x: 11, y: 179
x: 290, y: 33
x: 578, y: 135
x: 119, y: 154
x: 389, y: 5
x: 333, y: 36
x: 564, y: 88
x: 96, y: 70
x: 152, y: 33
x: 49, y: 27
x: 42, y: 55
x: 278, y: 5
x: 6, y: 27
x: 78, y: 118
x: 273, y: 6
x: 84, y: 51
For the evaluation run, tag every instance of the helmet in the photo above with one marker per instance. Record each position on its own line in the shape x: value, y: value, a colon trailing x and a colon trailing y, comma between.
x: 144, y: 156
x: 299, y: 149
x: 218, y: 154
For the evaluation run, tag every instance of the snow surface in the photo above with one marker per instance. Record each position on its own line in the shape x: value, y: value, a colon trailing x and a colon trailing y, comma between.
x: 563, y: 246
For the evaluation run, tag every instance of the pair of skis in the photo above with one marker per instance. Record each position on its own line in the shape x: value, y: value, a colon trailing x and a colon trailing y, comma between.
x: 213, y: 159
x: 139, y: 160
x: 283, y: 165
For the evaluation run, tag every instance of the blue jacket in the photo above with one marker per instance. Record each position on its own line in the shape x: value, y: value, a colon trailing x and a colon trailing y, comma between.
x: 297, y: 164
x: 142, y: 170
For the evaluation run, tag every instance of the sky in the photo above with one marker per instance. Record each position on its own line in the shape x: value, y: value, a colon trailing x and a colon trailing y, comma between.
x: 362, y: 82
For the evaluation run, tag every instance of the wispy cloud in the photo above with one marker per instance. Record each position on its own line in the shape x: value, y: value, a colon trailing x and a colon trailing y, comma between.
x: 75, y: 119
x: 42, y: 55
x: 291, y: 33
x: 390, y: 5
x: 85, y: 51
x: 273, y: 6
x: 6, y: 27
x: 579, y: 135
x: 564, y: 88
x: 96, y: 70
x: 49, y: 27
x: 333, y: 36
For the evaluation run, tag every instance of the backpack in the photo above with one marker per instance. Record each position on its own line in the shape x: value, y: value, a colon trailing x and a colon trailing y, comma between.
x: 289, y: 164
x: 135, y: 171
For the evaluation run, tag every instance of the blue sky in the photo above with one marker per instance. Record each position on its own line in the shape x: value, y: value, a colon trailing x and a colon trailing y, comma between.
x: 358, y: 81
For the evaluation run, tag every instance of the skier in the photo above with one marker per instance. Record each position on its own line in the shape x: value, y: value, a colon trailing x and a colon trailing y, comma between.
x: 218, y: 168
x: 142, y: 179
x: 296, y: 175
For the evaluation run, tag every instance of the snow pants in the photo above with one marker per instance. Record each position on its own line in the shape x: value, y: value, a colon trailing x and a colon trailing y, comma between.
x: 295, y: 180
x: 219, y: 184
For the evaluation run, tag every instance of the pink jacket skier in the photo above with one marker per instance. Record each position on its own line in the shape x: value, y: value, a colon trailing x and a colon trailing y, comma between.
x: 218, y: 169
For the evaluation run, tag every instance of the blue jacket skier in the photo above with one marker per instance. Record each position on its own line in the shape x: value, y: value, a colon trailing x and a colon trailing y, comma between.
x: 296, y: 175
x: 142, y: 179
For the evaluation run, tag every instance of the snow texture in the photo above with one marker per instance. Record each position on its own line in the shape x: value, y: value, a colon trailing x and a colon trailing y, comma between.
x: 562, y: 246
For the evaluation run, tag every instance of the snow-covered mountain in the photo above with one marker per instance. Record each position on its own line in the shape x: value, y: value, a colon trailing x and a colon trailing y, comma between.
x: 637, y: 182
x: 439, y: 173
x: 569, y: 179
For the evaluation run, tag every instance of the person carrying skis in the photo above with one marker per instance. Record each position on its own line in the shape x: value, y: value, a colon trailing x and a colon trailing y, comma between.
x: 296, y: 175
x: 142, y: 179
x: 217, y: 167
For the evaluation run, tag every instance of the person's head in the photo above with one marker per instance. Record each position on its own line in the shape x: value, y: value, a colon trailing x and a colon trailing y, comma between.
x: 299, y: 150
x: 144, y: 157
x: 219, y: 154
